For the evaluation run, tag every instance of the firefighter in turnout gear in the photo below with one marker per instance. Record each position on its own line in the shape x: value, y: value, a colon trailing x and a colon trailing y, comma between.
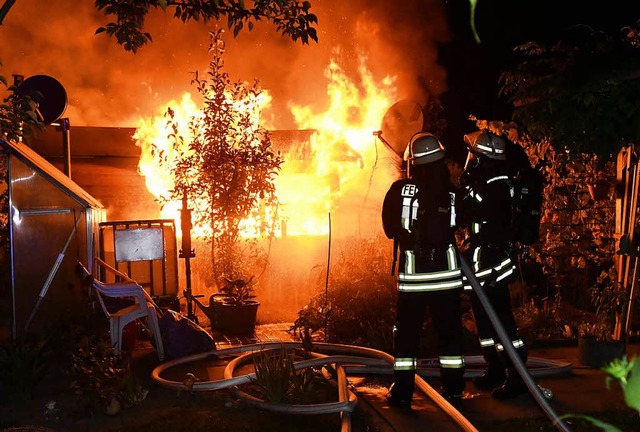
x: 417, y: 214
x: 486, y: 209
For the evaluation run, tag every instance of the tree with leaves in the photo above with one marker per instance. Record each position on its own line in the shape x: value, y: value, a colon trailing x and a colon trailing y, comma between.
x: 225, y: 167
x: 291, y: 17
x: 581, y: 92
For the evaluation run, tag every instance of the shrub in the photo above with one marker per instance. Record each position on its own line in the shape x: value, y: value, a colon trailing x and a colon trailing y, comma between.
x: 362, y: 293
x: 102, y: 378
x: 23, y: 364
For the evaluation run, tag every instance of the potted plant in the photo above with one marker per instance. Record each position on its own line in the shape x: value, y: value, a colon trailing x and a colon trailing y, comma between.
x: 233, y: 310
x: 597, y: 344
x: 223, y: 166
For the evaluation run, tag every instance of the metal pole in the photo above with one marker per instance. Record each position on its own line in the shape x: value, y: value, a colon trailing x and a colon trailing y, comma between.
x: 632, y: 297
x: 52, y: 273
x: 12, y: 213
x: 65, y: 127
x: 187, y: 253
x: 326, y: 286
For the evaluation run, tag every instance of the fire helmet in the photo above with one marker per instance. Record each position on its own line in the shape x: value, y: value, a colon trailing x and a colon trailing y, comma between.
x: 423, y: 148
x: 486, y: 144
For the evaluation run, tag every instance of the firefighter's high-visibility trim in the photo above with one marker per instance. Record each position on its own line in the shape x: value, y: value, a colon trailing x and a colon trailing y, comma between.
x: 445, y: 274
x: 486, y: 342
x: 489, y: 149
x: 427, y: 153
x: 500, y: 269
x: 452, y: 362
x: 409, y: 211
x: 435, y: 281
x: 410, y: 263
x: 500, y: 272
x: 452, y: 218
x: 492, y: 179
x: 405, y: 363
x: 484, y: 273
x: 423, y: 287
x: 452, y: 259
x: 506, y: 274
x: 517, y: 343
x: 476, y: 259
x: 503, y: 264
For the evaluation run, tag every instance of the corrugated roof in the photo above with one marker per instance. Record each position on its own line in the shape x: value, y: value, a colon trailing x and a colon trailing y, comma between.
x: 53, y: 174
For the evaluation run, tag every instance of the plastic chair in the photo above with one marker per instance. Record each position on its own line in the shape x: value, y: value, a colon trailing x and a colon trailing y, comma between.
x: 144, y: 306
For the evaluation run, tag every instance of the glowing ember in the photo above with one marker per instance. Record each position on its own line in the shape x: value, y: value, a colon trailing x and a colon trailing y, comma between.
x: 332, y: 170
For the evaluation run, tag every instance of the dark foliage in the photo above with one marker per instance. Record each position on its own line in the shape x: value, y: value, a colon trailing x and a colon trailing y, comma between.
x: 581, y: 92
x: 291, y: 18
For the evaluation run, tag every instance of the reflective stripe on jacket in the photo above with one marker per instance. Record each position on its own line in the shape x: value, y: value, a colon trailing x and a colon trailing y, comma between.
x: 409, y: 280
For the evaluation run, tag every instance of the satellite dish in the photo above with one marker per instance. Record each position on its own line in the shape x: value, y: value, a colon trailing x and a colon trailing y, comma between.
x: 400, y: 122
x: 48, y: 93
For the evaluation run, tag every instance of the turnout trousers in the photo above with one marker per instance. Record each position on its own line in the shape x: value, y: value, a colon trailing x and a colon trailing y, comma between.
x: 495, y: 280
x: 445, y: 311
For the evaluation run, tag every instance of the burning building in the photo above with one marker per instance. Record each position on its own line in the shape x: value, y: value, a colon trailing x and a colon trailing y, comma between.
x: 335, y: 169
x: 342, y: 199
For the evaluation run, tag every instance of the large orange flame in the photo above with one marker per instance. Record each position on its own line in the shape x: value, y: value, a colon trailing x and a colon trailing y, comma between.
x: 318, y: 175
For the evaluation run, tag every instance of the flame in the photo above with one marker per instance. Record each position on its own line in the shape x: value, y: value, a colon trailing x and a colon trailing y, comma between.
x: 341, y: 148
x: 315, y: 177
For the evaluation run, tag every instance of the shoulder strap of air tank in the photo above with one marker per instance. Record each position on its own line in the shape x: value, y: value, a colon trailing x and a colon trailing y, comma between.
x: 395, y: 255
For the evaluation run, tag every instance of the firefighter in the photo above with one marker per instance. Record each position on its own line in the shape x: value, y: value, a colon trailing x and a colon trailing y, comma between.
x: 417, y: 214
x: 486, y: 208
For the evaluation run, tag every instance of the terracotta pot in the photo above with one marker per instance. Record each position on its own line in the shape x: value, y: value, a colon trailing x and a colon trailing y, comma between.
x: 597, y: 354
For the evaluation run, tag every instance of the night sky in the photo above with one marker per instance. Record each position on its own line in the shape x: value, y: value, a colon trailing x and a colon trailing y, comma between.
x: 473, y: 69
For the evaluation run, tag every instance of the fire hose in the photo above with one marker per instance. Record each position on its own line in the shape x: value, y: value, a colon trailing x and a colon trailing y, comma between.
x: 348, y: 358
x: 347, y: 355
x: 361, y: 360
x: 534, y: 390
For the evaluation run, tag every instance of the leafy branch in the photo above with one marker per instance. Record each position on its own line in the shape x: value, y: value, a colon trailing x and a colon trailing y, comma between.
x: 292, y: 18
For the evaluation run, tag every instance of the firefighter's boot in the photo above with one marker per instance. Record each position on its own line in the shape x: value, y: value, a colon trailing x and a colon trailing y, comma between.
x: 491, y: 377
x: 512, y: 387
x: 401, y: 391
x: 494, y: 375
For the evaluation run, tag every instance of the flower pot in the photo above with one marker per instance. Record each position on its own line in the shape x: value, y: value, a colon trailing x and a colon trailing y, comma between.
x: 214, y: 311
x: 237, y: 320
x: 596, y: 353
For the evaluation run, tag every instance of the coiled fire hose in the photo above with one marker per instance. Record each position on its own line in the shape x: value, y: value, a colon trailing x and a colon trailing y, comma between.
x: 341, y: 355
x: 361, y: 360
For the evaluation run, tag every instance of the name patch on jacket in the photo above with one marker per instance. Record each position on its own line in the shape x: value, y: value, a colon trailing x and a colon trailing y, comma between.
x: 409, y: 205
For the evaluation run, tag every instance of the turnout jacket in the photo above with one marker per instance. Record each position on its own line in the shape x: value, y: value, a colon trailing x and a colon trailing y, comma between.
x: 421, y: 225
x: 486, y: 207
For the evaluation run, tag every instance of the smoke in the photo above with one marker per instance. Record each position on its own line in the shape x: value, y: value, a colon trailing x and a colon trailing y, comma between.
x: 107, y: 86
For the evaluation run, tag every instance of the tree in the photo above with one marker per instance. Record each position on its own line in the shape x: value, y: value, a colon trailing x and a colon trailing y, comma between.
x: 291, y: 17
x: 225, y: 169
x: 581, y: 92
